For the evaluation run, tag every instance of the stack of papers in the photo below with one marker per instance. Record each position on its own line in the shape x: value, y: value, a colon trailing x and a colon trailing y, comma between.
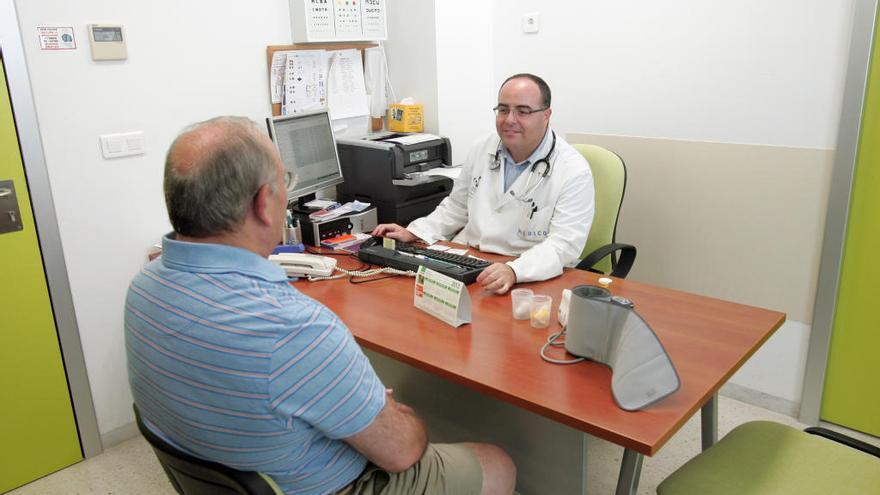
x: 321, y: 203
x: 336, y: 211
x: 346, y: 241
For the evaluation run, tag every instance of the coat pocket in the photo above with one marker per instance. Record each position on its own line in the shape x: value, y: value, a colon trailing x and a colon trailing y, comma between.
x: 536, y: 225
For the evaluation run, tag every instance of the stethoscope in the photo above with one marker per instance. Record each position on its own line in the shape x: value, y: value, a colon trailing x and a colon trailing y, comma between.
x: 530, y: 188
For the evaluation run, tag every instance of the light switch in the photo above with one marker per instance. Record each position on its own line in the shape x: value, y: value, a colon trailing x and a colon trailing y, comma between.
x: 125, y: 144
x: 135, y: 143
x: 114, y: 146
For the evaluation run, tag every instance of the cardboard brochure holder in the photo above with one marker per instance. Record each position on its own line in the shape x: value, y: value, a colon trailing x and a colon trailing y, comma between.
x: 442, y: 297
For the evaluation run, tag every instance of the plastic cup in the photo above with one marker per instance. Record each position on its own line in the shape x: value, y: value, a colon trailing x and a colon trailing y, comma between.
x: 521, y: 303
x: 540, y: 310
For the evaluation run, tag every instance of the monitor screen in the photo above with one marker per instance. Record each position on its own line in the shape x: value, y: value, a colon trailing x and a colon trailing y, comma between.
x: 308, y: 150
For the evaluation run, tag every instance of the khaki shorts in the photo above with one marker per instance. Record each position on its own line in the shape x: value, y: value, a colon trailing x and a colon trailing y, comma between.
x: 451, y: 469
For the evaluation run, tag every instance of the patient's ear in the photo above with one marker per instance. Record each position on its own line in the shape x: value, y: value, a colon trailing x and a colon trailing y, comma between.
x: 262, y: 203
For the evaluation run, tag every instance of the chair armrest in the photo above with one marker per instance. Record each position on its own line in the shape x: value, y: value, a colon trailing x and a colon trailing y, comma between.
x: 845, y: 440
x: 619, y: 269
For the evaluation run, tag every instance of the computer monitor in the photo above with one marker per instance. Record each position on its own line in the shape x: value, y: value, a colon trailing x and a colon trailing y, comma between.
x: 308, y: 150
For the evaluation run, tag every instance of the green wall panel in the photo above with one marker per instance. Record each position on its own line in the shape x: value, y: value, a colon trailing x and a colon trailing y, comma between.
x: 851, y: 396
x: 38, y: 433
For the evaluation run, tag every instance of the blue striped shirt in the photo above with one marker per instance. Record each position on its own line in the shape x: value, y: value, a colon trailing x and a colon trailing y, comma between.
x: 229, y: 362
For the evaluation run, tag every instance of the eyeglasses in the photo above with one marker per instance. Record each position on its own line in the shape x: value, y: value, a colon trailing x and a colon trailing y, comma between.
x: 518, y: 112
x: 288, y: 180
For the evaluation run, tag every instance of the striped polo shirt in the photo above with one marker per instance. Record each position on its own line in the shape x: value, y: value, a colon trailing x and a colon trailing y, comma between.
x: 229, y: 362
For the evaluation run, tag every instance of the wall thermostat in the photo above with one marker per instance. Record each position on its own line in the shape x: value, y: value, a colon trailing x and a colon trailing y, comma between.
x: 107, y: 42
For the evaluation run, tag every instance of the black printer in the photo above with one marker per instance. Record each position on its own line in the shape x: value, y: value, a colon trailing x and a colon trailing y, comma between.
x: 386, y: 170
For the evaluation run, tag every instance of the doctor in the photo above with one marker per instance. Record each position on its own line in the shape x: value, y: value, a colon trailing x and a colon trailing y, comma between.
x: 525, y: 192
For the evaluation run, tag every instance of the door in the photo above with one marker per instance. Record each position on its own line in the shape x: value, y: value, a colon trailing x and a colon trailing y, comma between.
x: 852, y: 379
x: 37, y: 425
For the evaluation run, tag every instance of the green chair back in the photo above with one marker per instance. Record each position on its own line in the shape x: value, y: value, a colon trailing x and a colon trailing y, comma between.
x: 609, y: 178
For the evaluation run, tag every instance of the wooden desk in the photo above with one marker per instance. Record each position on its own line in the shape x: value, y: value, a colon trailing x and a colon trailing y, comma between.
x: 707, y: 339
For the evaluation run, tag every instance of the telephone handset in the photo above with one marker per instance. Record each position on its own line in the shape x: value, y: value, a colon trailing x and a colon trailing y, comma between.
x: 301, y: 264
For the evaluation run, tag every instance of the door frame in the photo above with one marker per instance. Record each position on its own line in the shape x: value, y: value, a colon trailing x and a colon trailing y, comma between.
x: 49, y: 237
x: 855, y: 86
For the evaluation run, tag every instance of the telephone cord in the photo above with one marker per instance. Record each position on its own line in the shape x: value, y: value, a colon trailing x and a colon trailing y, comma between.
x: 363, y: 273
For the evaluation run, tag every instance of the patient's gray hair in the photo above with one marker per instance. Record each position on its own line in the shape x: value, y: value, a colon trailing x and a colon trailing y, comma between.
x: 213, y: 170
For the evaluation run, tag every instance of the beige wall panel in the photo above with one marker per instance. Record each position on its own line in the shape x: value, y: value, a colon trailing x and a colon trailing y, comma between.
x: 739, y: 222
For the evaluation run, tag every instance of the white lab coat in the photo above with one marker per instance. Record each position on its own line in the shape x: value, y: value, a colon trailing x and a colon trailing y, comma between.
x: 480, y: 214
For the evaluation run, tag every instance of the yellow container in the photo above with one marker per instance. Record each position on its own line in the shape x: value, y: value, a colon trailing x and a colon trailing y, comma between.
x: 406, y: 118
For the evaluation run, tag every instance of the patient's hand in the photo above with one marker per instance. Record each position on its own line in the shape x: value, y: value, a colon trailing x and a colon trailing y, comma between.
x: 497, y: 278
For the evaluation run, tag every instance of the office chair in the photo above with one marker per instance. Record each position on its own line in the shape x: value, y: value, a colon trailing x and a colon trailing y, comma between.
x: 609, y: 177
x: 762, y: 457
x: 193, y: 476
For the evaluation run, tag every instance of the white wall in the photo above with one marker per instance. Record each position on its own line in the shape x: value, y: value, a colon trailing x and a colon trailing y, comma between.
x: 777, y: 369
x: 411, y: 50
x: 465, y: 84
x: 187, y: 61
x: 749, y: 71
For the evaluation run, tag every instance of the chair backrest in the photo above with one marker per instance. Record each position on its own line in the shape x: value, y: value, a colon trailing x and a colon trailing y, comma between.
x: 193, y: 476
x: 609, y: 179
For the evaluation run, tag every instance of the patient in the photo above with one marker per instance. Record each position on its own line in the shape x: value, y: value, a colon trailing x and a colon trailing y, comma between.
x: 229, y: 362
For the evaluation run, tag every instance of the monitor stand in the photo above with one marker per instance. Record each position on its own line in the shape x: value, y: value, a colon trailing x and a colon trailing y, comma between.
x: 299, y: 205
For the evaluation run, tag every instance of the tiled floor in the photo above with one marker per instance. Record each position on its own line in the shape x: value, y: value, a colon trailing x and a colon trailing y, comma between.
x: 131, y: 468
x: 127, y: 468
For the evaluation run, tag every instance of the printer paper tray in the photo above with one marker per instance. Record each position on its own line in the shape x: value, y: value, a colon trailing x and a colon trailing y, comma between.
x: 417, y: 181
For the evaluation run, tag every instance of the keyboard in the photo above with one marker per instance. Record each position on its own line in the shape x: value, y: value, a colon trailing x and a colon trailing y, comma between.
x: 411, y: 257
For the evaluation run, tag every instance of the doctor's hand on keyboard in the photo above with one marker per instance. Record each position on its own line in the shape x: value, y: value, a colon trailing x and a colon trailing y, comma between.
x: 394, y: 231
x: 412, y: 256
x: 497, y: 277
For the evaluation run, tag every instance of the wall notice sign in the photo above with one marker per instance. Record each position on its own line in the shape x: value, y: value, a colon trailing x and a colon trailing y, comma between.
x: 442, y: 297
x: 56, y: 38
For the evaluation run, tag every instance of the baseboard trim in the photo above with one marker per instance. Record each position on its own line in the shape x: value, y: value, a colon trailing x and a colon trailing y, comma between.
x: 119, y: 435
x: 761, y: 399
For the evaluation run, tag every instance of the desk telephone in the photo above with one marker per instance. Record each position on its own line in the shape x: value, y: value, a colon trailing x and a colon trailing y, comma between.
x: 301, y: 264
